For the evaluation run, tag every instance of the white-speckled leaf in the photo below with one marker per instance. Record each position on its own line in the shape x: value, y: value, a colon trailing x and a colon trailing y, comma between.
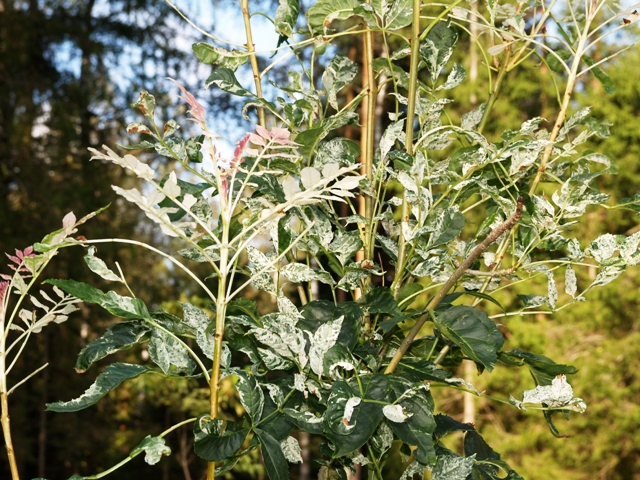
x: 394, y: 132
x: 557, y: 394
x: 291, y: 450
x: 273, y: 361
x: 382, y: 438
x: 552, y: 291
x: 199, y: 321
x: 299, y: 272
x: 165, y: 351
x: 473, y: 118
x: 412, y: 470
x: 323, y: 339
x: 606, y: 275
x: 287, y: 308
x: 98, y: 266
x: 455, y: 78
x: 603, y: 247
x: 275, y: 392
x: 570, y: 281
x: 453, y: 468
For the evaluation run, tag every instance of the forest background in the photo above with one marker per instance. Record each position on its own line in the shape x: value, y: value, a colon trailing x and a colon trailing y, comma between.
x: 69, y: 70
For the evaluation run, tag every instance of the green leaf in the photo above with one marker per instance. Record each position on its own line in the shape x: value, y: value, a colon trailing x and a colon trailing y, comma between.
x: 422, y: 369
x: 418, y: 428
x: 554, y: 63
x: 542, y: 369
x: 323, y: 12
x: 98, y: 266
x: 451, y: 297
x: 305, y: 421
x: 251, y: 395
x: 446, y: 425
x: 212, y: 443
x: 274, y: 461
x: 154, y: 448
x: 309, y: 139
x: 349, y: 429
x: 246, y: 306
x: 274, y: 421
x: 379, y: 300
x: 319, y: 312
x: 407, y: 294
x: 286, y: 17
x: 473, y: 332
x: 111, y: 378
x: 600, y: 74
x: 124, y: 307
x: 119, y: 336
x: 338, y: 74
x: 208, y: 54
x: 226, y: 80
x: 489, y: 465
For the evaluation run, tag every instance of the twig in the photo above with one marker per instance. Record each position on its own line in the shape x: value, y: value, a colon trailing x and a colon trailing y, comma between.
x: 435, y: 301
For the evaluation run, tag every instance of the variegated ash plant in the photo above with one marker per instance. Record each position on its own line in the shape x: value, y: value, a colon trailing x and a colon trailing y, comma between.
x: 387, y: 256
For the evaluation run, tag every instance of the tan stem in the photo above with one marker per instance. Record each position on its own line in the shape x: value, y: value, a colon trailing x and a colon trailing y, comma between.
x: 6, y: 431
x: 464, y: 266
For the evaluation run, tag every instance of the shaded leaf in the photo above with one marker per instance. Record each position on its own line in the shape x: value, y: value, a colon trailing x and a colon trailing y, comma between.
x: 111, y: 378
x: 119, y: 336
x: 212, y: 443
x: 275, y: 462
x: 473, y: 332
x: 251, y: 395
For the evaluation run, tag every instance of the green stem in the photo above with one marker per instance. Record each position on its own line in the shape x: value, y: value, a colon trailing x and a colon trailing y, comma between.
x: 408, y: 142
x: 131, y: 457
x: 495, y: 92
x: 252, y: 58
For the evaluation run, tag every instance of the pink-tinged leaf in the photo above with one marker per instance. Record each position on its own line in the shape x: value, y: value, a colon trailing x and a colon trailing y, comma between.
x: 3, y: 291
x: 257, y: 140
x: 14, y: 259
x: 28, y: 252
x: 263, y: 132
x: 239, y: 150
x: 280, y: 133
x: 69, y: 220
x: 197, y: 111
x: 6, y: 277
